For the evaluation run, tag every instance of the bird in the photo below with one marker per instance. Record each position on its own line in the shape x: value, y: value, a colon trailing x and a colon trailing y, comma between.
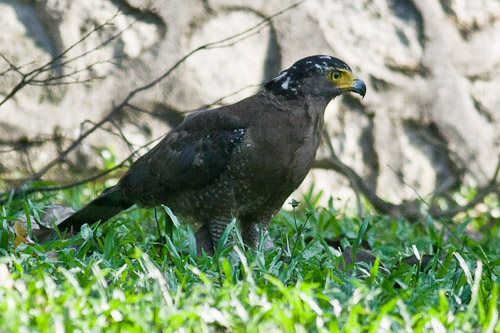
x: 237, y: 161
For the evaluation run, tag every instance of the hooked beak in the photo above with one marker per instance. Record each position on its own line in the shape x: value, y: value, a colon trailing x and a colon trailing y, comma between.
x: 358, y: 86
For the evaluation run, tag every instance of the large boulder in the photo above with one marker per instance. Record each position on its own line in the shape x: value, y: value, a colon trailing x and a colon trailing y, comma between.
x: 429, y: 121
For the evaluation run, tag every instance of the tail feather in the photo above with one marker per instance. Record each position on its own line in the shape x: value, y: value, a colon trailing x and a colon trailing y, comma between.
x: 111, y: 202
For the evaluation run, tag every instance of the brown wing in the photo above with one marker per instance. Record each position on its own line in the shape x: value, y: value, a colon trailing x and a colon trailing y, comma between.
x: 192, y: 155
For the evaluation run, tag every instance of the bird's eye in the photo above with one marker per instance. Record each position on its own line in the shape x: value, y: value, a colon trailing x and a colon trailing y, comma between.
x: 335, y: 75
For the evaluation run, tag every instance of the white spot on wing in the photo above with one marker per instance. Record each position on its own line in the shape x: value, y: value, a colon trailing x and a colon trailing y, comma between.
x: 279, y: 77
x: 325, y: 57
x: 284, y: 85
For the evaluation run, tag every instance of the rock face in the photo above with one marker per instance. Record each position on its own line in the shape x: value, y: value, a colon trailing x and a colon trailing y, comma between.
x: 430, y: 119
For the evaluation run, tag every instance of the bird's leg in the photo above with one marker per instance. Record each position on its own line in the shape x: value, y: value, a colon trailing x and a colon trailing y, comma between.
x: 254, y: 225
x: 251, y: 234
x: 203, y: 241
x: 217, y: 226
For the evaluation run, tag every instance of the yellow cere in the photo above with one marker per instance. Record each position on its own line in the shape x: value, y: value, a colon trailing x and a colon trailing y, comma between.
x: 343, y: 79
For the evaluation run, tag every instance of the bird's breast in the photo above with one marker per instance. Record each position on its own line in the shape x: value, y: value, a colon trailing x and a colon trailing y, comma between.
x: 273, y: 159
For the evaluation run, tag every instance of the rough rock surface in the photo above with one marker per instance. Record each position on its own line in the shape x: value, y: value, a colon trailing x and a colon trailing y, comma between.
x: 431, y: 116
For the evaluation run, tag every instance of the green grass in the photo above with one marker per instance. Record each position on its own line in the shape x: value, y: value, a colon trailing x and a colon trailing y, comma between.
x: 119, y: 278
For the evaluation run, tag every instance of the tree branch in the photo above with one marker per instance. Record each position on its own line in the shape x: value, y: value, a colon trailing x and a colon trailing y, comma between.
x: 30, y: 78
x: 409, y: 210
x: 226, y: 42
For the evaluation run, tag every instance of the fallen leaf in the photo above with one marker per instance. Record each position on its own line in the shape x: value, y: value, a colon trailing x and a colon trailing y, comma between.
x: 44, y: 229
x: 361, y: 256
x: 20, y: 230
x: 21, y: 234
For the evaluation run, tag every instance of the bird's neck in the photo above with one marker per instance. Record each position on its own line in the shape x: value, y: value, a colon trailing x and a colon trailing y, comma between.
x: 306, y: 106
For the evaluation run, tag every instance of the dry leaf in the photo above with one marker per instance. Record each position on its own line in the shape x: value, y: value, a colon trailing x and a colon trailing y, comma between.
x: 21, y: 233
x: 43, y: 230
x: 361, y: 256
x: 20, y: 230
x: 51, y: 255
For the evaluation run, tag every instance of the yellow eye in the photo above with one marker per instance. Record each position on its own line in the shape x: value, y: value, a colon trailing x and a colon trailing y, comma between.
x: 335, y: 75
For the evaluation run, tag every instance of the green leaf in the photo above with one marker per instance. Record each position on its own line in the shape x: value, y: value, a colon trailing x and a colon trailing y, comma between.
x: 84, y: 249
x: 374, y: 270
x: 191, y: 240
x: 226, y: 267
x: 173, y: 252
x: 4, y: 239
x: 28, y: 217
x: 331, y: 209
x: 492, y: 317
x: 110, y: 245
x: 225, y: 236
x: 172, y: 216
x: 465, y: 268
x: 86, y: 232
x: 359, y: 239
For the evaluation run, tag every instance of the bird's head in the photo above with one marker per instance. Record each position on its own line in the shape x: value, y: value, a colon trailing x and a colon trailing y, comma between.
x: 320, y: 75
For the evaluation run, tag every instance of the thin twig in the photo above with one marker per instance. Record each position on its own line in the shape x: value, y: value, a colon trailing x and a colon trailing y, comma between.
x: 89, y: 179
x: 30, y: 78
x: 409, y: 185
x: 16, y: 191
x: 359, y: 185
x: 122, y: 135
x: 219, y: 101
x: 482, y: 192
x: 74, y: 184
x: 410, y: 209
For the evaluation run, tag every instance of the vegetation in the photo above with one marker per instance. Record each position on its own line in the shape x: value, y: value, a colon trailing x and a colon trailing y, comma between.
x: 119, y: 277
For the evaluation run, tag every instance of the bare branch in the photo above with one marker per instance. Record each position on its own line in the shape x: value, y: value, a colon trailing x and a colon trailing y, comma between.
x: 482, y: 192
x: 30, y: 78
x: 411, y: 209
x: 58, y: 78
x: 12, y: 67
x: 220, y: 100
x: 122, y: 135
x: 410, y: 186
x: 122, y: 164
x: 20, y: 189
x: 65, y: 187
x: 85, y: 37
